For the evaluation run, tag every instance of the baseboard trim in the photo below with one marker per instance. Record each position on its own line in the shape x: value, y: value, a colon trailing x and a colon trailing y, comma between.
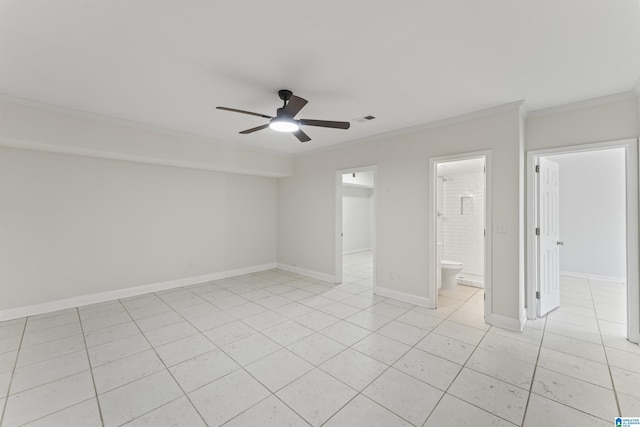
x: 594, y: 277
x: 403, y: 296
x: 509, y: 323
x: 309, y: 273
x: 48, y: 307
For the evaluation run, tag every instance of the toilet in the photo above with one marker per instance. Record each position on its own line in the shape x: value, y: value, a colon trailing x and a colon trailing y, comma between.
x: 450, y: 270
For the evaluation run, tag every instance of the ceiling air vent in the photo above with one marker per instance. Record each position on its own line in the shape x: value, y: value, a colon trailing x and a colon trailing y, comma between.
x: 364, y: 119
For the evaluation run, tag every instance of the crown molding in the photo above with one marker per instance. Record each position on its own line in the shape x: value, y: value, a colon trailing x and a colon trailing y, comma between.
x: 127, y: 157
x: 594, y: 102
x: 412, y: 129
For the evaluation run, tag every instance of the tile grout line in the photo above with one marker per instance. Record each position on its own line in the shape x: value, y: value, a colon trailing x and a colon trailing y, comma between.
x: 243, y: 367
x: 314, y: 366
x: 13, y: 371
x: 85, y: 349
x: 166, y: 368
x: 249, y: 373
x: 465, y: 362
x: 400, y: 357
x: 93, y: 380
x: 446, y: 392
x: 230, y: 357
x: 535, y: 369
x: 257, y: 331
x: 319, y: 310
x: 589, y: 342
x: 606, y: 356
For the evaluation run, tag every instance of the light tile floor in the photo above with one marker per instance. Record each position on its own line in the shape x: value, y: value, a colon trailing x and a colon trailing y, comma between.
x: 279, y: 349
x: 357, y: 268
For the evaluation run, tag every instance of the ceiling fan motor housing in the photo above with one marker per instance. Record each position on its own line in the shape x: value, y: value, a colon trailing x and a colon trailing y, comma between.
x: 285, y: 94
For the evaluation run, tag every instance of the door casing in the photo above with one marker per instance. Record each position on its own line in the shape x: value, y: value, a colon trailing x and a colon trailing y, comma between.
x: 338, y: 219
x: 432, y: 230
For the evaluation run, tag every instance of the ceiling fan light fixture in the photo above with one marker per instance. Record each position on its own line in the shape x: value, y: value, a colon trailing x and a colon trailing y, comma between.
x: 284, y: 125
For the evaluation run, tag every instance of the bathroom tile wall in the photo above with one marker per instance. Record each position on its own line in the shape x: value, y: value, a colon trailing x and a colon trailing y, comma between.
x: 440, y: 216
x: 462, y: 220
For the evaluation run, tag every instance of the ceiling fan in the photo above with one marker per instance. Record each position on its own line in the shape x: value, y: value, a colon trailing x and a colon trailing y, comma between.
x: 284, y: 120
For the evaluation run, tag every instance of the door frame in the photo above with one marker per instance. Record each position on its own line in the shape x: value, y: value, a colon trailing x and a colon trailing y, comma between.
x: 432, y: 228
x: 338, y: 230
x: 633, y: 262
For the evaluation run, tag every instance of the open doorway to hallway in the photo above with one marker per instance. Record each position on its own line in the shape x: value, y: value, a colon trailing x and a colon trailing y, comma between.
x: 583, y: 257
x: 592, y: 226
x: 355, y: 214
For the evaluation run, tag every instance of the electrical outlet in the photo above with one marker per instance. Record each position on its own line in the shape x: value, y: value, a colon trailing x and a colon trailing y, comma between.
x: 391, y: 275
x: 500, y: 228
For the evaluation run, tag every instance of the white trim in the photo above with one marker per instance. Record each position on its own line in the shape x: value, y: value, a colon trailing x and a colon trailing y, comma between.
x: 633, y: 246
x: 506, y: 322
x: 338, y: 219
x: 636, y: 87
x: 47, y: 307
x: 594, y: 277
x: 355, y: 251
x: 112, y: 155
x: 309, y: 273
x: 594, y: 102
x: 338, y: 231
x: 412, y: 129
x: 633, y: 251
x: 403, y: 296
x: 432, y: 233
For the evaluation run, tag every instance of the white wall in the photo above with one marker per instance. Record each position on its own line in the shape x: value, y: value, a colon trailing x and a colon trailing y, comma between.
x: 592, y: 213
x: 73, y: 226
x: 357, y: 219
x: 607, y: 121
x: 306, y: 212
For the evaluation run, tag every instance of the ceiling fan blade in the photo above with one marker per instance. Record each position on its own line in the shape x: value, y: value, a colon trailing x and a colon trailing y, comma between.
x: 294, y: 105
x: 325, y: 123
x: 244, y: 112
x: 255, y: 129
x: 302, y: 137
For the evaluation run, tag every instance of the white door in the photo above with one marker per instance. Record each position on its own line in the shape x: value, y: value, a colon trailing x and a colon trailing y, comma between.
x: 548, y: 240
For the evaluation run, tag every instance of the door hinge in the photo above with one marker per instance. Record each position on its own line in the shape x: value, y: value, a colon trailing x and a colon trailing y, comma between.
x: 537, y: 294
x: 537, y: 231
x: 537, y: 168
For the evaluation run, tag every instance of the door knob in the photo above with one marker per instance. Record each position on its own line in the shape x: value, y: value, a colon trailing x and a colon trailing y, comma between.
x: 559, y: 243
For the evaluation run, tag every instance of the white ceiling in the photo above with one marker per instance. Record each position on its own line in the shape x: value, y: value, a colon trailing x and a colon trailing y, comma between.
x: 169, y: 63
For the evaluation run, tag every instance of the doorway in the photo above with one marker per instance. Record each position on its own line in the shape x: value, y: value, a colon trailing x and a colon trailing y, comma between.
x: 460, y: 206
x: 582, y: 211
x: 355, y: 227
